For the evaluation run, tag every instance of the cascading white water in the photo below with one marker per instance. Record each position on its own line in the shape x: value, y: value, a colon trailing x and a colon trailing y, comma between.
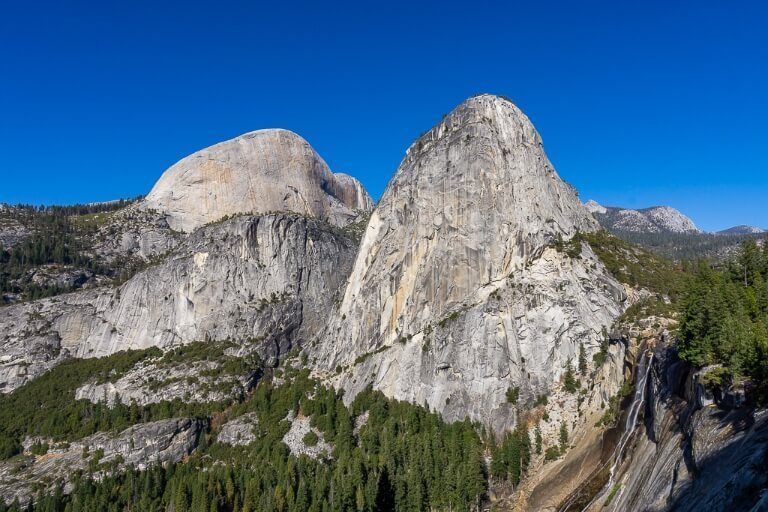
x: 632, y: 416
x: 629, y: 427
x: 643, y: 369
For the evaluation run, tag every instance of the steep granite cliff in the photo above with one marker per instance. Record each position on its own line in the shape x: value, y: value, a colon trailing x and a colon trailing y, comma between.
x: 693, y: 452
x: 267, y: 282
x: 258, y: 172
x: 470, y: 278
x: 267, y: 279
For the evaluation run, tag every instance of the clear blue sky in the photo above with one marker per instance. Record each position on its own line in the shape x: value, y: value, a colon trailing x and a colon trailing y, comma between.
x: 639, y: 103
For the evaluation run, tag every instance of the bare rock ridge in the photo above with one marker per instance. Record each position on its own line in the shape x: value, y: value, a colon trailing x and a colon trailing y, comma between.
x: 458, y: 291
x: 742, y: 230
x: 656, y: 219
x: 258, y: 172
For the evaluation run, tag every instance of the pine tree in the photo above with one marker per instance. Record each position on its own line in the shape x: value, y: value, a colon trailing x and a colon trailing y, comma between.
x: 749, y: 260
x: 563, y: 437
x: 512, y: 457
x: 525, y: 448
x: 582, y: 359
x: 569, y: 380
x: 538, y: 439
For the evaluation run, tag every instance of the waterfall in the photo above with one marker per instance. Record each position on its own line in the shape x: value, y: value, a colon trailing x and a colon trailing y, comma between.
x: 643, y: 369
x: 632, y: 416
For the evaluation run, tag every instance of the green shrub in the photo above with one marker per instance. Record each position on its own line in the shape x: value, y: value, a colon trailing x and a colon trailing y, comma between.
x: 310, y: 438
x: 39, y: 448
x: 551, y: 453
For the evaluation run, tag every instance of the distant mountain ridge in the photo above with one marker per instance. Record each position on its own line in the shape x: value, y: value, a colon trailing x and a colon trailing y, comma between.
x: 741, y: 230
x: 668, y: 232
x: 656, y: 219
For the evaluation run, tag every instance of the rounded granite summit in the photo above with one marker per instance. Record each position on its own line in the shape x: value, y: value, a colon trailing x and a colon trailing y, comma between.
x: 258, y: 172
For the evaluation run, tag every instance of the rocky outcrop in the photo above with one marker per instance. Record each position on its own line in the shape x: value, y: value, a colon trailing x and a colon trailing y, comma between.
x: 656, y: 219
x: 156, y: 381
x: 11, y: 230
x: 135, y: 232
x: 259, y: 172
x: 238, y: 431
x: 463, y: 286
x: 593, y: 207
x: 296, y: 440
x: 266, y: 280
x: 138, y: 446
x: 352, y: 193
x: 691, y: 458
x: 742, y: 230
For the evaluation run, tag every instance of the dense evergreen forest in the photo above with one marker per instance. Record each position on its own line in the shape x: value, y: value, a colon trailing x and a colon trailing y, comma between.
x: 403, y: 458
x: 689, y: 246
x: 724, y: 319
x: 56, y: 235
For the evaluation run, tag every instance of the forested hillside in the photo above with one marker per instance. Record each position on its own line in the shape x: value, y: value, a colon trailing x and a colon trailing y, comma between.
x: 721, y: 306
x: 724, y: 320
x: 385, y: 454
x: 689, y: 246
x: 48, y: 249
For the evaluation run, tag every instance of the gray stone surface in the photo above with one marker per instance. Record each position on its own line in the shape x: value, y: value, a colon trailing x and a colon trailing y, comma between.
x: 656, y: 219
x: 258, y: 172
x: 294, y: 438
x: 271, y: 281
x: 11, y: 230
x: 139, y: 446
x: 238, y: 431
x: 153, y: 382
x: 458, y: 293
x: 135, y: 231
x: 689, y: 457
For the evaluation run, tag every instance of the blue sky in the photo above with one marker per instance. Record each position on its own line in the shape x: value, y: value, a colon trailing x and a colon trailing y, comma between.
x: 638, y: 103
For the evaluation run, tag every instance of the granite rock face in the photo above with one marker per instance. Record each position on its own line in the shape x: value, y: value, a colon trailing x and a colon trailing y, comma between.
x: 238, y: 431
x: 294, y: 438
x: 152, y: 382
x: 689, y: 457
x: 258, y: 172
x: 139, y: 446
x: 458, y: 291
x: 268, y: 281
x: 268, y: 277
x: 135, y: 231
x: 11, y: 230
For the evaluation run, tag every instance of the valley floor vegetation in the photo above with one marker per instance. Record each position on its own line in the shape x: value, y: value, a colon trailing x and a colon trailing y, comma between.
x: 386, y: 454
